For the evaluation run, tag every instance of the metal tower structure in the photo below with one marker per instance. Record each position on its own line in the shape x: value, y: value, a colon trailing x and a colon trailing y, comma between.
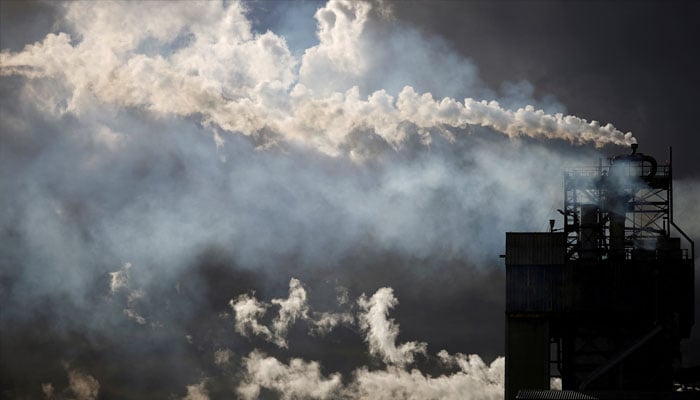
x: 602, y: 303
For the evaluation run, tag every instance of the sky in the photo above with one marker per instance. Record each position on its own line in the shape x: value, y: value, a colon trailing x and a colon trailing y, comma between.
x: 305, y: 199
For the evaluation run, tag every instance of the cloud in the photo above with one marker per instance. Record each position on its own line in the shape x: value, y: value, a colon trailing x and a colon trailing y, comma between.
x: 324, y: 322
x: 339, y: 58
x: 298, y: 379
x: 197, y: 392
x: 246, y: 82
x: 248, y: 310
x: 290, y: 309
x: 295, y: 307
x: 119, y: 279
x: 382, y: 332
x: 221, y: 165
x: 81, y: 386
x: 473, y: 366
x: 396, y: 383
x: 304, y: 379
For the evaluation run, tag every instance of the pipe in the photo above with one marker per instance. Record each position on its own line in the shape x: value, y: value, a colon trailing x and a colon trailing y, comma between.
x: 692, y: 243
x: 640, y: 158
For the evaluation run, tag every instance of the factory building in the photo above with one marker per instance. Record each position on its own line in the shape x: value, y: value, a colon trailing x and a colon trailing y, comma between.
x: 602, y: 303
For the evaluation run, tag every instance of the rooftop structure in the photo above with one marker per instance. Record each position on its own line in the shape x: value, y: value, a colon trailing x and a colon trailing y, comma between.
x: 602, y: 303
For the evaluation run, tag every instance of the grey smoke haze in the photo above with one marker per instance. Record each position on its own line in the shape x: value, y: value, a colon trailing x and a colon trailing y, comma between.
x: 163, y: 162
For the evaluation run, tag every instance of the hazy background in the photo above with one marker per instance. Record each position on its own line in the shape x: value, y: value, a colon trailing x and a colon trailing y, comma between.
x: 160, y: 160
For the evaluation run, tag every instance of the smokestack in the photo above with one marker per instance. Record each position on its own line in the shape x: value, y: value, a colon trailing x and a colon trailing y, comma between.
x: 624, y: 280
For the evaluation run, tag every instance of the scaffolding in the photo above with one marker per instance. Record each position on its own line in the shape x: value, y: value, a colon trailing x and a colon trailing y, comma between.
x: 603, y: 302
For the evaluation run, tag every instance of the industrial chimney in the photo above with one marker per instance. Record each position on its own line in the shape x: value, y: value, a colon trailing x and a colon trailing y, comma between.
x: 603, y: 302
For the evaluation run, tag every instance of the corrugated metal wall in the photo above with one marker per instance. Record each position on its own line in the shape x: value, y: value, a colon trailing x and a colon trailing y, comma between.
x: 533, y: 288
x: 534, y: 269
x: 535, y: 248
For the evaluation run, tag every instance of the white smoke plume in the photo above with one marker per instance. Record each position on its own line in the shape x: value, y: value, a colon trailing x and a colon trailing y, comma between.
x: 414, y: 385
x: 324, y: 322
x: 165, y: 132
x: 299, y: 378
x: 197, y: 392
x: 81, y: 386
x: 248, y: 311
x: 290, y: 309
x: 119, y: 279
x: 244, y: 82
x: 474, y: 366
x: 382, y: 332
x: 303, y: 379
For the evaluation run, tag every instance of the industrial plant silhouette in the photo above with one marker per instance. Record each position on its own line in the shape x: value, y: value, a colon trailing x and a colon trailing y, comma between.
x: 602, y: 303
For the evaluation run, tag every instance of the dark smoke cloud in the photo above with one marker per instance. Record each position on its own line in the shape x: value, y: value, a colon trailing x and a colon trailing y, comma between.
x: 128, y: 221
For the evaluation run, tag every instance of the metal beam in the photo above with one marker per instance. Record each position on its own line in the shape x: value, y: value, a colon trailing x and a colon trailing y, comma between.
x: 619, y: 357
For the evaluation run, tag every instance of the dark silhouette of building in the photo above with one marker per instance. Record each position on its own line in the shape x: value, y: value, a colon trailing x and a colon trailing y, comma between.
x: 603, y: 302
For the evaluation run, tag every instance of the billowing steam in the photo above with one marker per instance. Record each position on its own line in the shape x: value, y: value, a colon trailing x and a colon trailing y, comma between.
x: 304, y: 379
x: 382, y: 333
x: 205, y: 61
x: 249, y: 310
x: 81, y: 386
x: 171, y: 173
